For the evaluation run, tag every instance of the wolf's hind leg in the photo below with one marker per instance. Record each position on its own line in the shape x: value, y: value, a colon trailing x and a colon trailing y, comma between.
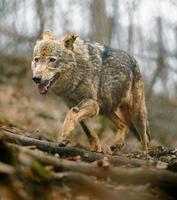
x: 140, y: 123
x: 92, y: 136
x: 122, y: 130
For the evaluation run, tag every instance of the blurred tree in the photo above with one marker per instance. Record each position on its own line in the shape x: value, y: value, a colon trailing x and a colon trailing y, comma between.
x: 160, y: 71
x: 101, y: 24
x: 131, y: 9
x: 116, y: 27
x: 39, y: 6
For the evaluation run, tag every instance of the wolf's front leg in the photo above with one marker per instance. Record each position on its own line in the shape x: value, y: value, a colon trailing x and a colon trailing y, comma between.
x: 85, y: 109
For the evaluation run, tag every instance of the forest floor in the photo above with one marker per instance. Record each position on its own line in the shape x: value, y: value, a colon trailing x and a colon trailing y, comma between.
x: 33, y: 166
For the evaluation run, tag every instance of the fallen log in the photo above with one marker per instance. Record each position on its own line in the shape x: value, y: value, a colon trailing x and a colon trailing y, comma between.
x: 26, y: 168
x: 95, y: 189
x: 85, y: 155
x: 162, y: 179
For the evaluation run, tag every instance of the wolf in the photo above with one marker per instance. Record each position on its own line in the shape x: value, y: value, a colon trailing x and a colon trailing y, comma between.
x: 93, y: 79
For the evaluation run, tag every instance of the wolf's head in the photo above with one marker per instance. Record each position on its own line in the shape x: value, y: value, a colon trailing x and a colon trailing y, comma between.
x: 53, y: 61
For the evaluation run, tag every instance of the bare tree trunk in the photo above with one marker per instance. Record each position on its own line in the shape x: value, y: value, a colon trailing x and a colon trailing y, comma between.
x: 40, y: 13
x: 50, y: 5
x: 160, y: 58
x: 176, y: 41
x: 116, y: 28
x: 132, y: 7
x: 101, y: 25
x: 131, y: 32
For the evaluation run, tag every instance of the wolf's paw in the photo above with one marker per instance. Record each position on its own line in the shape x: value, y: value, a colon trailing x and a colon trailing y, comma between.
x: 106, y: 150
x: 63, y: 142
x: 96, y: 146
x: 116, y: 147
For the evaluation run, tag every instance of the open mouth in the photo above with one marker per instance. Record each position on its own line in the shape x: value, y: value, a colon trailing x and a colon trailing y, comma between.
x: 44, y: 87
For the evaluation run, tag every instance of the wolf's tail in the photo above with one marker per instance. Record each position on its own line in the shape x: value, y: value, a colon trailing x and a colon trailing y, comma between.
x: 138, y: 83
x: 135, y: 132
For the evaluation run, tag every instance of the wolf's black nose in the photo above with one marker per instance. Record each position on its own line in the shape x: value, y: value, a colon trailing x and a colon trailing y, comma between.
x: 37, y: 78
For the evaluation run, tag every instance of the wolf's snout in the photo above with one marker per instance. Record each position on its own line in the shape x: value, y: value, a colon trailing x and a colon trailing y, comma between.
x: 37, y: 78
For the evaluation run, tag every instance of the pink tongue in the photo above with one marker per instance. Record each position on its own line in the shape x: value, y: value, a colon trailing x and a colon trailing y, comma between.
x: 42, y: 88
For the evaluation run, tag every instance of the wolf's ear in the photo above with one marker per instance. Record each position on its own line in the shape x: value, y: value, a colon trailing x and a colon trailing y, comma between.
x: 48, y: 36
x: 69, y: 41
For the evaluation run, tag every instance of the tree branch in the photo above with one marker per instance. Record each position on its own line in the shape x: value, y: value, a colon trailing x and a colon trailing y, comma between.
x: 85, y: 155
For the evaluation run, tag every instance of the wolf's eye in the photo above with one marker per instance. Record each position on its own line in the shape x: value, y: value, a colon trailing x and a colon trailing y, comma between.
x: 52, y: 59
x: 36, y: 59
